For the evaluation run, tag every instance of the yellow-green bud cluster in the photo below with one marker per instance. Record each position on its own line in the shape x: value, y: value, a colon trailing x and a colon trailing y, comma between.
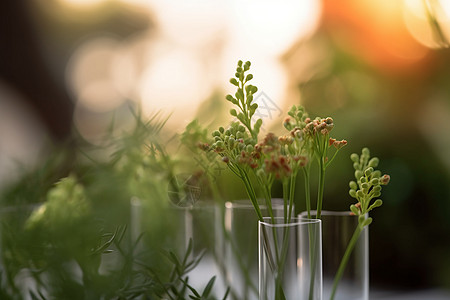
x: 297, y: 118
x: 232, y: 140
x: 367, y: 185
x: 243, y: 98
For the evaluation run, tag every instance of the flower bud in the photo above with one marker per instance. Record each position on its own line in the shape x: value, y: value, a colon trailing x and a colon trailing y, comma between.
x: 352, y: 193
x: 366, y: 151
x: 358, y: 174
x: 361, y: 219
x: 216, y: 133
x: 221, y: 129
x: 233, y: 112
x: 233, y: 81
x: 376, y: 188
x: 385, y: 179
x: 354, y: 209
x: 368, y: 171
x: 353, y: 185
x: 231, y: 142
x: 360, y: 194
x: 365, y: 186
x: 226, y: 159
x: 376, y: 174
x: 367, y: 222
x: 375, y: 181
x: 354, y: 157
x: 374, y: 162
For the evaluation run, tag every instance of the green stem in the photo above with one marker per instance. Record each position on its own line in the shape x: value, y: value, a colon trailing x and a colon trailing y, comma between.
x: 321, y: 187
x: 251, y: 192
x: 307, y: 191
x: 291, y: 194
x: 285, y: 199
x: 345, y: 259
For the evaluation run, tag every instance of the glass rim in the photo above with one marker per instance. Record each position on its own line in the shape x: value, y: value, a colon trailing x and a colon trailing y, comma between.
x: 295, y: 221
x: 247, y: 203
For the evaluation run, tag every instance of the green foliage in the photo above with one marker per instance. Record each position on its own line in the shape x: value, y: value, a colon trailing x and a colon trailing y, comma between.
x: 367, y: 185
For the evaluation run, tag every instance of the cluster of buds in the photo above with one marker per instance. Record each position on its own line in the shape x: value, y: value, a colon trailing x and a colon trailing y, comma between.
x: 232, y: 140
x: 337, y: 144
x: 297, y: 118
x: 318, y: 126
x: 367, y: 185
x: 278, y: 165
x: 243, y: 98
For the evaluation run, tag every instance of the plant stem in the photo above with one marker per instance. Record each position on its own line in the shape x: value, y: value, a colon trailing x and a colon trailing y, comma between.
x: 345, y: 259
x: 321, y: 187
x: 307, y: 191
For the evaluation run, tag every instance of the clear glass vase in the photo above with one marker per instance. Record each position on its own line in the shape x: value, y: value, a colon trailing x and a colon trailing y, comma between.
x: 240, y: 248
x: 338, y: 228
x: 290, y: 259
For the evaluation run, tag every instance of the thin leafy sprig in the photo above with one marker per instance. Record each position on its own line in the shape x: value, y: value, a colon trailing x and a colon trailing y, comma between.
x: 365, y: 188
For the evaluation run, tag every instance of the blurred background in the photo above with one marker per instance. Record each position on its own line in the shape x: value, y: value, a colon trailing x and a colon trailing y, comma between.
x: 380, y: 68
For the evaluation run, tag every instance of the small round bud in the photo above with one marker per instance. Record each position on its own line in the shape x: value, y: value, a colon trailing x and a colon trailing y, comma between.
x: 234, y: 81
x: 240, y: 63
x: 226, y: 159
x: 231, y: 142
x: 352, y: 193
x: 385, y: 179
x: 354, y: 209
x: 376, y: 174
x: 374, y: 162
x: 353, y: 185
x: 216, y: 133
x: 249, y: 77
x: 368, y: 171
x: 360, y: 194
x: 367, y: 222
x: 365, y: 186
x: 233, y: 112
x: 221, y: 129
x: 229, y: 98
x: 366, y: 151
x: 361, y: 219
x: 354, y: 157
x: 249, y: 148
x: 375, y: 181
x: 359, y: 174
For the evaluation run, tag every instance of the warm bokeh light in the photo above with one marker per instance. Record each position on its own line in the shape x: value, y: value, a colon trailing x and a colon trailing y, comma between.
x: 174, y: 83
x: 269, y: 27
x: 373, y: 30
x: 82, y: 3
x: 89, y: 74
x: 416, y: 20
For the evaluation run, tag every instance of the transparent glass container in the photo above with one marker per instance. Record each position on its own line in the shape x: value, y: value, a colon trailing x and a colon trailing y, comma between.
x: 290, y: 259
x: 240, y: 248
x: 337, y: 230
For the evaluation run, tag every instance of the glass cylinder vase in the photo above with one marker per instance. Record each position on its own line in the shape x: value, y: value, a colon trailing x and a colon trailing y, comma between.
x: 290, y: 259
x: 240, y: 249
x: 338, y: 228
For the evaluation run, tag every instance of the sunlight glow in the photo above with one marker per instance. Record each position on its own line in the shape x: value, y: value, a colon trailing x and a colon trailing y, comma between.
x: 415, y: 18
